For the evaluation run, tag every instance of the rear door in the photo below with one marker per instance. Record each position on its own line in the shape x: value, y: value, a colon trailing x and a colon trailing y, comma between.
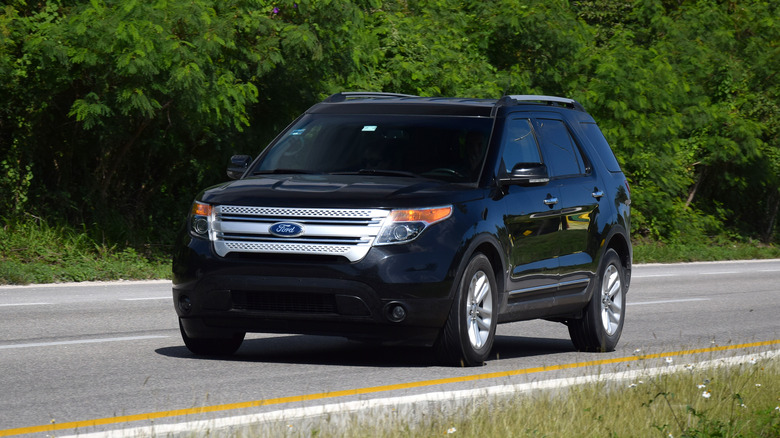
x: 581, y: 192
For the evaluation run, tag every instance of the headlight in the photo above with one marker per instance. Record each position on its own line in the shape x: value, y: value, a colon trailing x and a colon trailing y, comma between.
x: 200, y: 219
x: 403, y: 226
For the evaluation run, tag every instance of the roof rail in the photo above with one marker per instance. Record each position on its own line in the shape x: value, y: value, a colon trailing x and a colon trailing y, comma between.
x: 546, y: 100
x: 346, y: 95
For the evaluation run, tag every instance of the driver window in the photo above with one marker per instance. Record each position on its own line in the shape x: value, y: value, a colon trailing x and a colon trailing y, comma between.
x: 519, y: 144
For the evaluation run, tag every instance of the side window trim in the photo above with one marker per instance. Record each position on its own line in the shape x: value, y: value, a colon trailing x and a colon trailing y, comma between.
x: 583, y: 161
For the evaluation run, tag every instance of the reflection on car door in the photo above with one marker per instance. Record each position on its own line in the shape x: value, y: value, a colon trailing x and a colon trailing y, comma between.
x: 532, y: 219
x: 579, y: 203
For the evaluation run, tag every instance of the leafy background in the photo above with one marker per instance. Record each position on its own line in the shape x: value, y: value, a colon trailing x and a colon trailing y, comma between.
x: 115, y: 113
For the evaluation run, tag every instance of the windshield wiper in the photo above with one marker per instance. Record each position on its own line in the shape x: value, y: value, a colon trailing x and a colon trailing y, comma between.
x: 379, y: 172
x: 282, y: 171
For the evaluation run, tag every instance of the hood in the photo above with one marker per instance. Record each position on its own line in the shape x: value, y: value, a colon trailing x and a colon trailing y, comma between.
x: 354, y: 191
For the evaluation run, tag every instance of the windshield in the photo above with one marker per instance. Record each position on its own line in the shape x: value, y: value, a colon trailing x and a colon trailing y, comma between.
x: 448, y: 148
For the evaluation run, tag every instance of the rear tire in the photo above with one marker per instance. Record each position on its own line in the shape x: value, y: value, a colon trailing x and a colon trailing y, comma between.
x: 212, y: 346
x: 601, y: 324
x: 467, y: 337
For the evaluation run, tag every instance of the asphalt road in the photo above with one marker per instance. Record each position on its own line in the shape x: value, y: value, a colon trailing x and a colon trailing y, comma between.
x: 76, y: 353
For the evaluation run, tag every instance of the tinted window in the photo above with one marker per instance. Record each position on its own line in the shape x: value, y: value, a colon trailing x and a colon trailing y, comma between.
x: 448, y: 148
x: 519, y: 144
x: 560, y: 151
x: 594, y: 134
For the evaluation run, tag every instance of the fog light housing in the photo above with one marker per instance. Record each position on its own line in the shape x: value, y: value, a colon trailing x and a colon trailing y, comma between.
x: 395, y: 312
x: 185, y: 303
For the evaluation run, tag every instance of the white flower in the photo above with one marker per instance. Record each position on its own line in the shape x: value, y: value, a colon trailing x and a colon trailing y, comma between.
x: 706, y: 394
x: 758, y: 385
x: 689, y: 367
x: 451, y: 430
x: 743, y: 405
x: 637, y: 351
x: 701, y: 386
x: 633, y: 385
x: 752, y: 361
x: 669, y: 360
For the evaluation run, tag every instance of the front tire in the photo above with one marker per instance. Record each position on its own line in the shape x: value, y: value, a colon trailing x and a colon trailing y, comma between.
x: 601, y: 324
x: 467, y: 337
x: 212, y: 346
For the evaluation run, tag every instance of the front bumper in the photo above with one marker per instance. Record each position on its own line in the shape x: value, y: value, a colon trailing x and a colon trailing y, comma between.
x: 214, y: 296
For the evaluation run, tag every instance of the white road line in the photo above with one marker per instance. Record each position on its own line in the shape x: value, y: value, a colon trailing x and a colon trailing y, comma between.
x: 721, y: 273
x: 25, y: 304
x: 653, y: 275
x: 145, y: 299
x: 682, y: 300
x: 81, y: 341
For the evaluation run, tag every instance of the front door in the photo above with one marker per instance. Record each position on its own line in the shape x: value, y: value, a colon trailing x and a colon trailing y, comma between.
x: 533, y: 223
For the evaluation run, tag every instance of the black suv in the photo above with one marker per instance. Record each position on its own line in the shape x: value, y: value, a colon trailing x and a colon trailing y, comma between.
x: 410, y: 219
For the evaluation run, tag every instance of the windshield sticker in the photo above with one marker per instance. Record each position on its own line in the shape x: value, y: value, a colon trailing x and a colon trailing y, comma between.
x: 369, y: 128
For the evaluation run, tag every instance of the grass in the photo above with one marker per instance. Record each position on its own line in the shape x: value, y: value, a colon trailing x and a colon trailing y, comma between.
x: 728, y: 401
x: 713, y: 250
x: 34, y: 252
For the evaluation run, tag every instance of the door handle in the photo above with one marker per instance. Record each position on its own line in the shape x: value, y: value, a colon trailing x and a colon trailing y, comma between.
x: 598, y: 194
x: 550, y: 200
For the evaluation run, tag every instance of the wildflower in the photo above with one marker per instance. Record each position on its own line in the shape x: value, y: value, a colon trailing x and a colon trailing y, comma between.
x: 706, y: 394
x: 637, y: 351
x: 701, y: 386
x: 758, y: 385
x: 752, y: 361
x: 669, y: 360
x: 633, y: 385
x: 743, y: 405
x: 777, y: 408
x: 688, y: 367
x: 451, y: 430
x: 275, y: 11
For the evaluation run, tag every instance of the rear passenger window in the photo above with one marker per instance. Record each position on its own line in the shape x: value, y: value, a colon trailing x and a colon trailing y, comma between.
x: 561, y: 153
x: 593, y: 133
x: 519, y: 144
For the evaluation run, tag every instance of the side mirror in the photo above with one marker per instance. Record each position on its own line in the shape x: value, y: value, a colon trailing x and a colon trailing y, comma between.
x: 238, y: 165
x: 527, y: 174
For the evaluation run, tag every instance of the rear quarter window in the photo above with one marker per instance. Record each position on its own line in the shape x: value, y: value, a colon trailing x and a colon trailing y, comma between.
x: 596, y: 138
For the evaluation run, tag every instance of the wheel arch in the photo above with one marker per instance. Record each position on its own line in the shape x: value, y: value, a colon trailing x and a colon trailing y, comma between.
x: 619, y: 241
x: 489, y: 246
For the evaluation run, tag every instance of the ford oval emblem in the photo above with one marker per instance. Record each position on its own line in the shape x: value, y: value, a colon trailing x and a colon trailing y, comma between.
x: 286, y: 229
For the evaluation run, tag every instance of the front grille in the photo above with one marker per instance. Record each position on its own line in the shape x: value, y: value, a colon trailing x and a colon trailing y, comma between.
x: 347, y: 233
x: 292, y: 302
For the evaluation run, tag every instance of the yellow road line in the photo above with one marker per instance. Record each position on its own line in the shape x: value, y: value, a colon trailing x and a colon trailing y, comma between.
x: 360, y: 391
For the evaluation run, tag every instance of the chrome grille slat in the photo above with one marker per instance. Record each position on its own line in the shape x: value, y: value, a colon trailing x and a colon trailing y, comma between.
x: 341, y: 232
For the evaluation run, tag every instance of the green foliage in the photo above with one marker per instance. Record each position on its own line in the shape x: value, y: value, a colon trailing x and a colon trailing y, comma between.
x: 116, y: 111
x: 31, y: 251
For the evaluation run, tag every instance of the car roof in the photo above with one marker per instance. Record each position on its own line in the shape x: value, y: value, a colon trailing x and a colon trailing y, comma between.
x: 392, y: 103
